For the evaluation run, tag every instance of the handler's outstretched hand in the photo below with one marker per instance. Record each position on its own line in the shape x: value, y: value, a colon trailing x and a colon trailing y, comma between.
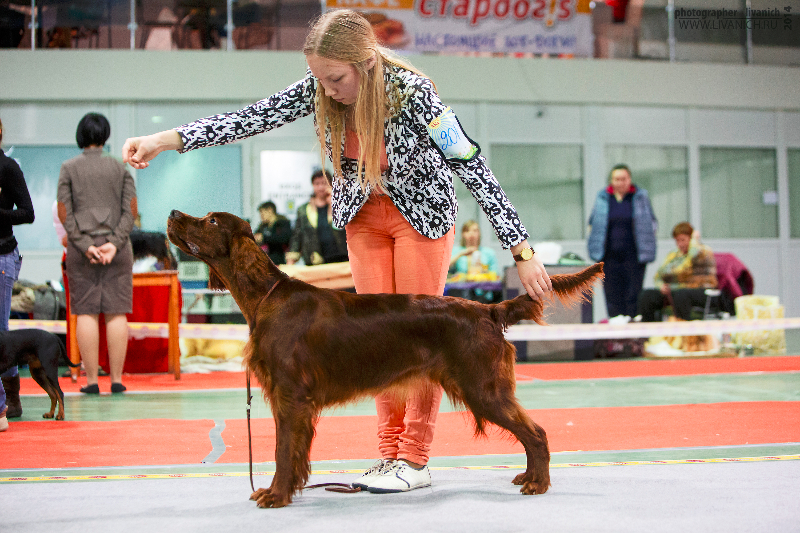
x: 139, y: 151
x: 533, y: 276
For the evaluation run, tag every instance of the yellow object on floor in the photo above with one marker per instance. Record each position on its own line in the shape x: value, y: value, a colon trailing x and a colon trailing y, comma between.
x: 754, y: 307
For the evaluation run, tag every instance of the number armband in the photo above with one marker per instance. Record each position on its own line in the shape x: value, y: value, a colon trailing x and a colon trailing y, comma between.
x: 449, y: 137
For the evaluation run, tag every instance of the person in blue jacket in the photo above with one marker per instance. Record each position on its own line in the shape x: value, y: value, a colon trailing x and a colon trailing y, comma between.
x: 622, y: 233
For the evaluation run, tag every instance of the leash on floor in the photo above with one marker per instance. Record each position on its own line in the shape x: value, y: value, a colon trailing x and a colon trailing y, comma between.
x: 333, y: 487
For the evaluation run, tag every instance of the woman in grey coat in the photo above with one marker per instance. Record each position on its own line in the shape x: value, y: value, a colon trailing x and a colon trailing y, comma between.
x: 97, y: 193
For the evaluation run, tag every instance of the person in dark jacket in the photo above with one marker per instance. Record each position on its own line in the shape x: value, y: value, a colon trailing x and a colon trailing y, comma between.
x: 622, y: 233
x: 314, y: 237
x: 273, y: 233
x: 15, y: 208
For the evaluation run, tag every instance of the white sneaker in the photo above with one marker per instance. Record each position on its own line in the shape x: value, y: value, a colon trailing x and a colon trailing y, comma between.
x: 401, y: 477
x: 374, y: 471
x: 3, y: 420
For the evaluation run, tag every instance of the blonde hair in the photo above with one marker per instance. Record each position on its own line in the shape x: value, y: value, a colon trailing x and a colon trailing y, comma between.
x: 346, y: 36
x: 468, y: 225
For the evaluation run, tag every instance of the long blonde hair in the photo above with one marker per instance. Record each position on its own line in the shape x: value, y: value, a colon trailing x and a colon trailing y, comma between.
x: 346, y: 36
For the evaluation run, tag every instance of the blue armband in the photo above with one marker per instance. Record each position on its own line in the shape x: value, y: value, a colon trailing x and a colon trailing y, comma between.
x: 449, y: 137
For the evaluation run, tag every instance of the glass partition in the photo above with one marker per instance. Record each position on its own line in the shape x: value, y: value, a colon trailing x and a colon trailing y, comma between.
x: 794, y: 191
x: 196, y: 183
x: 41, y: 166
x: 739, y: 193
x: 157, y: 24
x: 545, y: 184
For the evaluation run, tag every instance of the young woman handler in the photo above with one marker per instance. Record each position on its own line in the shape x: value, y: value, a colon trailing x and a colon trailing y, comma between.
x: 395, y: 148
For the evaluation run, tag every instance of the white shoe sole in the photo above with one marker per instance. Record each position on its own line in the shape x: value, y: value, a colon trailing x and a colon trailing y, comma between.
x: 376, y: 490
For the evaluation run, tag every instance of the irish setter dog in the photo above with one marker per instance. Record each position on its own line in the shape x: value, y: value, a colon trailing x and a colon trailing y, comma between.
x: 311, y: 348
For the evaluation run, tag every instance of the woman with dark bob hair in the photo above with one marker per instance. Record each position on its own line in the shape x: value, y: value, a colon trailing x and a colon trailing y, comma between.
x: 96, y: 195
x: 93, y: 129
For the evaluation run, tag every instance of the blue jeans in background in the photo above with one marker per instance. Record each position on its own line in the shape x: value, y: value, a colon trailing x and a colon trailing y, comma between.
x: 9, y: 273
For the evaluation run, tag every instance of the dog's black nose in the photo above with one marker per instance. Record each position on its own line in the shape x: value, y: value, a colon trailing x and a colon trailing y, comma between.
x: 174, y: 214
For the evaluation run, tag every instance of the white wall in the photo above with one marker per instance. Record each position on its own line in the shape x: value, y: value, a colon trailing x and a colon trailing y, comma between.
x: 588, y: 102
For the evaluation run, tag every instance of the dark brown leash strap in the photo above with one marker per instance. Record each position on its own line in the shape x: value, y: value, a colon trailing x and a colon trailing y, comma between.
x: 250, y: 399
x: 249, y: 436
x: 335, y: 487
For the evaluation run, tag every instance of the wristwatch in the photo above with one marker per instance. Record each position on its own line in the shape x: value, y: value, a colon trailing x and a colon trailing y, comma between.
x: 525, y: 255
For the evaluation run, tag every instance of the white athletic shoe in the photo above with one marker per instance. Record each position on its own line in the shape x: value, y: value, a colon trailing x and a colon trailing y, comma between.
x: 3, y: 420
x: 374, y: 471
x: 400, y: 477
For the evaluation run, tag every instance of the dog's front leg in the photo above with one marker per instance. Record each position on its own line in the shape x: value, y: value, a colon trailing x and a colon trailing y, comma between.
x: 294, y: 432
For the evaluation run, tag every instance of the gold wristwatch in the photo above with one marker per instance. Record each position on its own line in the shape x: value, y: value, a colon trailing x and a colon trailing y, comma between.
x: 525, y: 255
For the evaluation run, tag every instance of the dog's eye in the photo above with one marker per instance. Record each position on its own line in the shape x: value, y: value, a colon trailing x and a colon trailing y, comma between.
x: 212, y: 221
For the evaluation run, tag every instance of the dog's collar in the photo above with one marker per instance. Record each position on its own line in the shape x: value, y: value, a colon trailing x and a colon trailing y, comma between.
x: 269, y: 292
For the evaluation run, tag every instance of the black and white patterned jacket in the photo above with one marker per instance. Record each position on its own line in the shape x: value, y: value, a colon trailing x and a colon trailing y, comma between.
x: 419, y: 180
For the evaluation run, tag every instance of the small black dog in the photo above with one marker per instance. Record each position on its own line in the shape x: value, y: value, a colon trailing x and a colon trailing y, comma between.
x: 41, y: 351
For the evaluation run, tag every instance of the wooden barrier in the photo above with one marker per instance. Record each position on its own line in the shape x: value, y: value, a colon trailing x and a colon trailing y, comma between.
x: 145, y: 279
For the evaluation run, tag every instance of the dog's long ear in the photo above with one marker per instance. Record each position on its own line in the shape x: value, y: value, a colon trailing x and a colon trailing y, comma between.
x: 215, y: 282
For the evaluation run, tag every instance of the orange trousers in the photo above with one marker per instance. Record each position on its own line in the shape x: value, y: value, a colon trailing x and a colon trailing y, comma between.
x: 387, y: 255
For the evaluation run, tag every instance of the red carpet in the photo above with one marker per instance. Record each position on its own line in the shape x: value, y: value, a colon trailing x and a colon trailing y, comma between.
x: 655, y: 367
x: 49, y: 444
x: 613, y: 428
x: 525, y: 372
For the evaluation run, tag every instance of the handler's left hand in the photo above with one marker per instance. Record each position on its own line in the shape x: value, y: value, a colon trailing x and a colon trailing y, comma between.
x: 534, y: 277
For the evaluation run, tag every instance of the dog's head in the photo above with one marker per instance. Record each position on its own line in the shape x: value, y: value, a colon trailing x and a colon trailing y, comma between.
x: 212, y: 239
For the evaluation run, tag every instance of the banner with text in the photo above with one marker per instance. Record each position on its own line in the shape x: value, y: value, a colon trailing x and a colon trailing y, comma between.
x: 507, y: 26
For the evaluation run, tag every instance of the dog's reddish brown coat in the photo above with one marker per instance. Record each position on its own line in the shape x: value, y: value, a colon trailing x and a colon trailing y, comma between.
x: 311, y: 348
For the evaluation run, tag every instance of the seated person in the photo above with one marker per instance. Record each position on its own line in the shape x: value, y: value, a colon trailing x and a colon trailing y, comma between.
x: 682, y: 279
x: 472, y: 262
x: 471, y: 259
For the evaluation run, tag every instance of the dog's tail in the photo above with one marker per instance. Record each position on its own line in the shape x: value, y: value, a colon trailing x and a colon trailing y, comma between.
x: 568, y: 288
x: 63, y: 357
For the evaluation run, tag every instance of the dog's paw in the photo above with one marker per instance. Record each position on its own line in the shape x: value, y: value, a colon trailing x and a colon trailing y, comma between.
x: 264, y: 498
x: 60, y: 417
x: 521, y: 478
x: 257, y: 494
x: 47, y: 415
x: 531, y: 487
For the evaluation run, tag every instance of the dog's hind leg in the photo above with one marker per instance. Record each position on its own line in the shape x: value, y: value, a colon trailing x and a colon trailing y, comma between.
x: 294, y: 433
x: 491, y: 398
x: 507, y: 413
x: 39, y: 376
